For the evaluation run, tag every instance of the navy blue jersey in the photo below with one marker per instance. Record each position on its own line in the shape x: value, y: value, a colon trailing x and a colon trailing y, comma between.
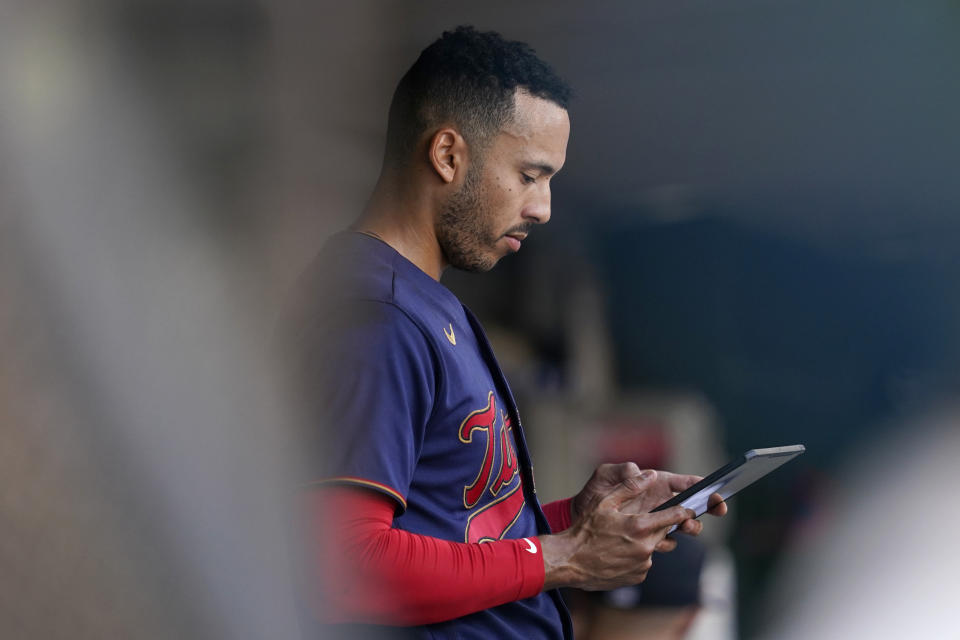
x: 414, y: 405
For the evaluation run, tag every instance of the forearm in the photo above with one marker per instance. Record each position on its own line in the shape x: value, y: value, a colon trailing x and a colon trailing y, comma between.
x: 373, y: 573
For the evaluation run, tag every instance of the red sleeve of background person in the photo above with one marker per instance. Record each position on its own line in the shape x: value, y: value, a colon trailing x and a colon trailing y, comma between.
x: 558, y: 514
x: 370, y: 572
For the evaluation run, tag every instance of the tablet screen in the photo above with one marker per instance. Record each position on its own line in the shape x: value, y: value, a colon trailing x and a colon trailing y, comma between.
x: 731, y: 478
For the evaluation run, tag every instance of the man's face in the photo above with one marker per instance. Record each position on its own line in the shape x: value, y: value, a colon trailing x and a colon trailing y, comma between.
x: 509, y: 192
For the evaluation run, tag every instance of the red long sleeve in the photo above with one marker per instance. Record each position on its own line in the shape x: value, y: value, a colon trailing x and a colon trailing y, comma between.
x: 558, y: 514
x: 370, y: 572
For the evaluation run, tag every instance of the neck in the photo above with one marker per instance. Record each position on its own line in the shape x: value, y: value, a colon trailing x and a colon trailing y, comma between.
x: 403, y: 218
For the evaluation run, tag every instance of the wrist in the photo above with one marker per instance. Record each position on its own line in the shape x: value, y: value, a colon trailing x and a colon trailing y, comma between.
x: 558, y: 567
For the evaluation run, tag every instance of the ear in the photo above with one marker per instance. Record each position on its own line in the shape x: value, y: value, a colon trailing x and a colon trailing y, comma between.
x: 447, y: 152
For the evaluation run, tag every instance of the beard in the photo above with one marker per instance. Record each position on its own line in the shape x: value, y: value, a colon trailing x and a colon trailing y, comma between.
x: 463, y: 229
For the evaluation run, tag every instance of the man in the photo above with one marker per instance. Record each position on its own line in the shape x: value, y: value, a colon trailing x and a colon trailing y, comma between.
x: 426, y: 515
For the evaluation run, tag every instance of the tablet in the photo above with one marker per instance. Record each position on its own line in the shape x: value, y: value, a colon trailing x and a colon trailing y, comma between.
x: 733, y: 477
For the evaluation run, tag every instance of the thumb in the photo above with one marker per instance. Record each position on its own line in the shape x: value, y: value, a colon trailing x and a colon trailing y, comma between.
x: 631, y: 487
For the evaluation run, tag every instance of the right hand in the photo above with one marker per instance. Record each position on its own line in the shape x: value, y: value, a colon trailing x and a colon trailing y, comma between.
x: 605, y: 547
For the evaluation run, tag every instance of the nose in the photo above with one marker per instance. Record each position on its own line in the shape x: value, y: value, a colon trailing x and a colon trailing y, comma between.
x: 539, y: 210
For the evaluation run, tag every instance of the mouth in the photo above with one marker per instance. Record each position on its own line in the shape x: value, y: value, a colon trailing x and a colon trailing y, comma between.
x: 514, y: 240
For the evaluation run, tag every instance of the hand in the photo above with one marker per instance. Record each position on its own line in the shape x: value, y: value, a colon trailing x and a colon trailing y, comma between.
x: 666, y: 486
x: 608, y: 476
x: 606, y: 547
x: 605, y: 479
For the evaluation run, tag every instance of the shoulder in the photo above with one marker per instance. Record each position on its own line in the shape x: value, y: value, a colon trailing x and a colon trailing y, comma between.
x: 353, y: 269
x: 350, y: 266
x: 347, y: 295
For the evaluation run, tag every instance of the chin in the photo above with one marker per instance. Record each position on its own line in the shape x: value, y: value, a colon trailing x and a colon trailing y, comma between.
x: 472, y: 258
x: 475, y: 263
x: 474, y: 267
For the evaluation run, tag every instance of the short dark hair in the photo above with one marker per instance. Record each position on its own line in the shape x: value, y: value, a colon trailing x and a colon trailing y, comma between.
x: 469, y: 78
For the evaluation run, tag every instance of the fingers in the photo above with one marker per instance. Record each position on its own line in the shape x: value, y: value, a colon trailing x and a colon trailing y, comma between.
x: 668, y: 517
x: 616, y: 473
x: 666, y: 545
x: 627, y: 470
x: 716, y: 505
x: 630, y: 487
x: 651, y: 528
x: 691, y: 527
x: 680, y: 482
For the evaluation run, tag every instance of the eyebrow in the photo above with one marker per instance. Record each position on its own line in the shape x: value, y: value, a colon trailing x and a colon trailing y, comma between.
x: 545, y: 169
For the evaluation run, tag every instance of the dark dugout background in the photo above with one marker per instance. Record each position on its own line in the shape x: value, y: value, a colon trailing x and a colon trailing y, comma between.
x: 763, y: 193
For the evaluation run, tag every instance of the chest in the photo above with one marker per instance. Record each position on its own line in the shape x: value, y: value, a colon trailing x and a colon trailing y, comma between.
x: 469, y: 467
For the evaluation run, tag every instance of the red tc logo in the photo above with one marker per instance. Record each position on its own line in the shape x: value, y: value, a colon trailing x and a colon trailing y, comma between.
x: 493, y: 520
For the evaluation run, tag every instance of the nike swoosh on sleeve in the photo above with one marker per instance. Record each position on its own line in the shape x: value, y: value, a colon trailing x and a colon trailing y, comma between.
x: 532, y: 548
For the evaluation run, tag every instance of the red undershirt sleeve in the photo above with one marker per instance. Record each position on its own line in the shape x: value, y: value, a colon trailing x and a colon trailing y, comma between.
x: 558, y: 514
x: 367, y: 571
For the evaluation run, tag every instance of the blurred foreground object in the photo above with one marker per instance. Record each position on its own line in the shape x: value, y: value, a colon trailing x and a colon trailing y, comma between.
x: 880, y: 567
x: 142, y: 451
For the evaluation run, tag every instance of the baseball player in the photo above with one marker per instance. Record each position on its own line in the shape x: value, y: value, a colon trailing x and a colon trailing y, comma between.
x: 423, y: 513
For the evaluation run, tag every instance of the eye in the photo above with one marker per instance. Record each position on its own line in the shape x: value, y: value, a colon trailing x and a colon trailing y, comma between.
x: 527, y: 179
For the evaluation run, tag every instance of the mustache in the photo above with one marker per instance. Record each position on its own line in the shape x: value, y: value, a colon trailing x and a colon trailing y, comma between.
x: 520, y: 228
